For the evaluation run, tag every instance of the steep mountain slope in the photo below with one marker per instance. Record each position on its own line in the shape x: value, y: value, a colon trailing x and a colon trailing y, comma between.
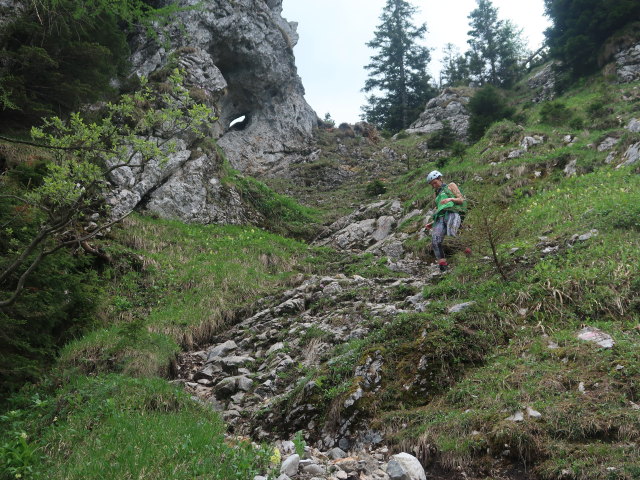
x: 517, y: 363
x: 478, y: 373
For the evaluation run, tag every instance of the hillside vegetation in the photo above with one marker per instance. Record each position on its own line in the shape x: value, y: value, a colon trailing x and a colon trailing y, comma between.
x: 96, y: 397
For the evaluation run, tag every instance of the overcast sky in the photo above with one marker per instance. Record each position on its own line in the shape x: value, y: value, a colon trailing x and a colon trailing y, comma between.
x: 331, y: 52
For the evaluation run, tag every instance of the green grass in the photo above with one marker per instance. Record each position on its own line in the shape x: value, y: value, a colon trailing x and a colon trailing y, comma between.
x: 448, y: 381
x: 200, y: 275
x: 118, y: 427
x: 176, y: 285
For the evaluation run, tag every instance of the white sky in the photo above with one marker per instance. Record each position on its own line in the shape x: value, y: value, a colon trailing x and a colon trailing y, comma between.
x: 331, y: 53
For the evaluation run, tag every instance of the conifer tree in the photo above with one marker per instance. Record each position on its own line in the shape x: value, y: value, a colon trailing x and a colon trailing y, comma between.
x: 496, y: 46
x: 455, y: 68
x: 398, y: 71
x: 580, y: 27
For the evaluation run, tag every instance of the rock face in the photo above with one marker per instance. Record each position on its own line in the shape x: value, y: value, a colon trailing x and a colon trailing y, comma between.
x: 240, y: 56
x: 9, y: 9
x: 450, y: 106
x: 628, y: 64
x: 186, y: 187
x: 237, y: 58
x: 543, y: 83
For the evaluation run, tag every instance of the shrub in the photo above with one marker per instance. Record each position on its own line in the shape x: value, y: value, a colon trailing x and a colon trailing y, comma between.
x: 487, y: 106
x: 442, y: 162
x: 576, y: 123
x: 375, y: 188
x: 504, y: 132
x: 458, y: 149
x: 444, y: 137
x: 555, y: 113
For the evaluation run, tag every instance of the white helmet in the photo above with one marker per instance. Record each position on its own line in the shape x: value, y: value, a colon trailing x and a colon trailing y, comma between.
x: 433, y: 175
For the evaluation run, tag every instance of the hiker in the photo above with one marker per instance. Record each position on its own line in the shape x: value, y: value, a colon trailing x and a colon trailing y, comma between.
x: 450, y: 204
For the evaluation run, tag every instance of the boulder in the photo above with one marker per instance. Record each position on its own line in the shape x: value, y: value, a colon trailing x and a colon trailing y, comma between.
x: 290, y: 465
x: 221, y: 350
x: 634, y: 125
x: 404, y: 466
x: 450, y: 106
x: 631, y: 156
x: 336, y: 453
x: 607, y: 144
x: 460, y: 307
x: 597, y: 336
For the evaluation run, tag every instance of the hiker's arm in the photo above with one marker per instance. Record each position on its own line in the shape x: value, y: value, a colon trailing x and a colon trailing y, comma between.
x: 458, y: 199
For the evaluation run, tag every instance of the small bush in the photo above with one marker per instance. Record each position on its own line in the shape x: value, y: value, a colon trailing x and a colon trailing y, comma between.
x: 504, y: 132
x: 555, y: 113
x: 458, y: 150
x: 375, y: 188
x: 442, y: 162
x: 487, y: 106
x: 576, y: 123
x: 442, y: 138
x: 598, y: 108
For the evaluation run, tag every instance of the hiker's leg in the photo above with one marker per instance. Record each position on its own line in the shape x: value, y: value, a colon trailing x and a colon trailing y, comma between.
x: 438, y: 232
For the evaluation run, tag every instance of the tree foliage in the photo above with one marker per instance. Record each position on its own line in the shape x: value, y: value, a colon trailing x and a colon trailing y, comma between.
x: 486, y: 106
x: 580, y: 27
x: 496, y: 46
x: 455, y: 68
x: 141, y: 127
x: 496, y: 51
x: 50, y: 210
x: 59, y: 54
x: 398, y: 71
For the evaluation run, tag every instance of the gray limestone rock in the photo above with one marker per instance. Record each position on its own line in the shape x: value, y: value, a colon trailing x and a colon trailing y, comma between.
x: 353, y: 398
x: 631, y: 156
x: 370, y: 371
x: 221, y: 350
x: 634, y: 125
x: 528, y: 142
x: 544, y: 83
x: 384, y: 226
x: 628, y: 64
x: 449, y: 106
x: 314, y: 469
x: 607, y: 144
x: 516, y: 417
x: 460, y: 307
x: 240, y: 55
x: 336, y: 453
x: 597, y: 336
x: 290, y: 465
x: 404, y: 466
x: 570, y: 168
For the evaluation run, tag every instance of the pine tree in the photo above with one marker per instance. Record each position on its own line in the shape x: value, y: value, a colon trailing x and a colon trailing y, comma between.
x: 398, y: 70
x: 58, y: 54
x: 496, y: 46
x: 580, y: 27
x: 455, y: 68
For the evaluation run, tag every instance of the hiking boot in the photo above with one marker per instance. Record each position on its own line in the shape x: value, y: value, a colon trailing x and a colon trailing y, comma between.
x: 442, y: 265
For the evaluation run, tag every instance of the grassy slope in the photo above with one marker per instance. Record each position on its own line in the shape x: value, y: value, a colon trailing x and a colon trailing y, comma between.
x: 494, y: 359
x: 173, y: 286
x: 177, y: 284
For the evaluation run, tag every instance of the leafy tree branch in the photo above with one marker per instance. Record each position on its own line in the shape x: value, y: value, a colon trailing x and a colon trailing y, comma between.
x: 69, y: 204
